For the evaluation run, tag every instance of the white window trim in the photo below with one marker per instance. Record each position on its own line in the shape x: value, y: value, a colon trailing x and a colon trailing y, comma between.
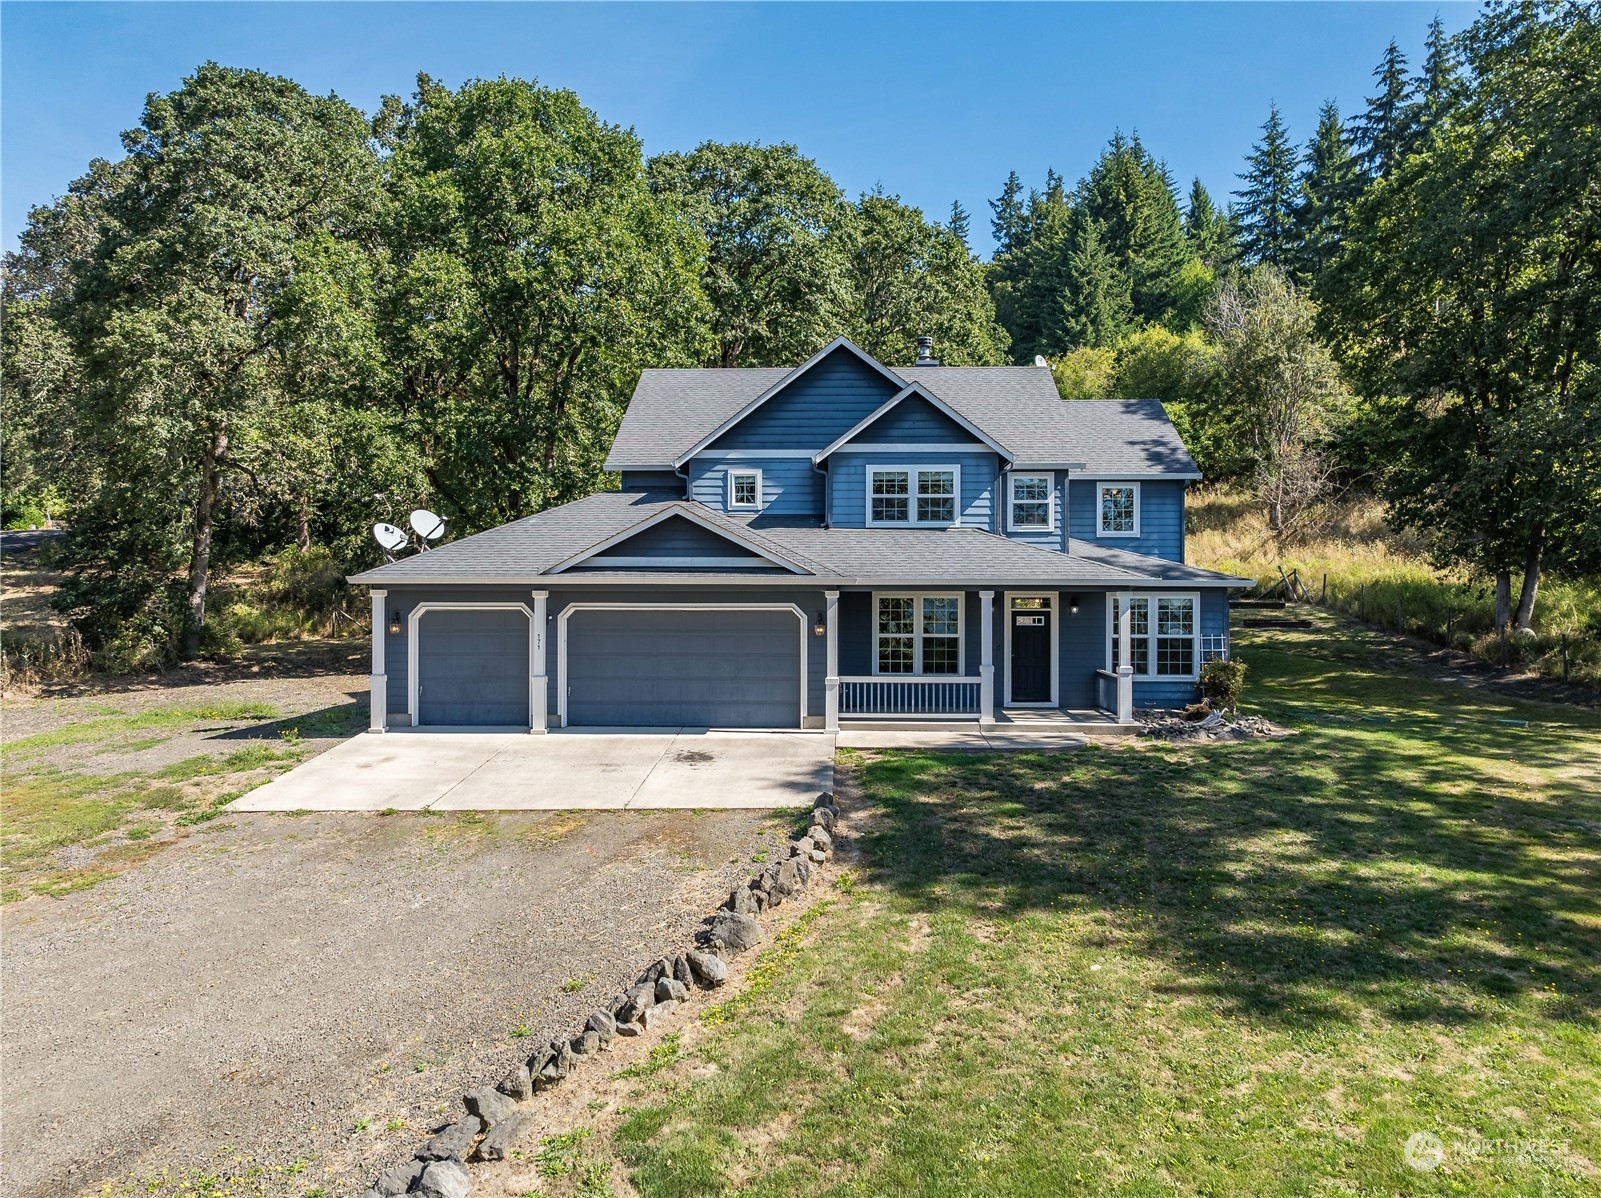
x: 1100, y: 509
x: 1056, y: 659
x: 917, y: 598
x: 736, y: 472
x: 911, y: 520
x: 1050, y: 501
x: 1150, y: 637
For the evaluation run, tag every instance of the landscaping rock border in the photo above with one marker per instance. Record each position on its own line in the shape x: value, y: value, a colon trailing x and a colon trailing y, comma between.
x: 1207, y: 725
x: 495, y: 1118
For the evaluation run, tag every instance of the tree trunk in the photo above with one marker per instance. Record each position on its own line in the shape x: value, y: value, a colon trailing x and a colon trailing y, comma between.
x: 303, y: 526
x: 200, y: 558
x: 1531, y: 583
x: 1503, y: 599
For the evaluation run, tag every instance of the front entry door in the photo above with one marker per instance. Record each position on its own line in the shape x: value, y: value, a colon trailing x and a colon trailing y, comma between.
x: 1031, y: 651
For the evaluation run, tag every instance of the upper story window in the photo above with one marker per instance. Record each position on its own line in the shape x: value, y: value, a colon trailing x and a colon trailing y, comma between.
x: 745, y: 489
x: 1029, y: 503
x: 912, y: 494
x: 1119, y: 510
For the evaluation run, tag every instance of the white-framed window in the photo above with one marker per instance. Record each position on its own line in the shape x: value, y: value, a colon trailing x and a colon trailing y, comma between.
x: 1118, y: 508
x: 1028, y: 505
x: 745, y: 489
x: 917, y: 634
x: 913, y: 495
x: 1164, y: 635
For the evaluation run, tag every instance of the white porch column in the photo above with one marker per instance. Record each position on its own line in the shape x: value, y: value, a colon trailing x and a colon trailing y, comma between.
x: 1125, y: 660
x: 378, y: 682
x: 831, y: 677
x: 986, y: 660
x: 538, y: 681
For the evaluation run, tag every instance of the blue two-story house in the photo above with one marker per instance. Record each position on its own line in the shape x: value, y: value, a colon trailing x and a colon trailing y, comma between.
x: 801, y: 548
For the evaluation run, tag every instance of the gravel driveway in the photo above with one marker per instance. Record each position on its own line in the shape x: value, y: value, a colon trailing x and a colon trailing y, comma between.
x: 294, y: 1001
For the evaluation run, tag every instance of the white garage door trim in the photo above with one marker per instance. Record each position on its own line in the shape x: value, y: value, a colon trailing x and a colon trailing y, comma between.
x: 413, y: 644
x: 567, y: 612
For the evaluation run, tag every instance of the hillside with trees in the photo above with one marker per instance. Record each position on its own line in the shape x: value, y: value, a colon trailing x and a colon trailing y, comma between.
x: 277, y: 319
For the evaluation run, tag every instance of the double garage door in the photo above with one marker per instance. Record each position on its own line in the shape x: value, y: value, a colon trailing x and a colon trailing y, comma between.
x: 637, y: 667
x: 714, y: 669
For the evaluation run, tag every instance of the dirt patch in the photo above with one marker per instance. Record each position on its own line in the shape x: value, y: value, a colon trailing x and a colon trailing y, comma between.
x: 291, y: 1002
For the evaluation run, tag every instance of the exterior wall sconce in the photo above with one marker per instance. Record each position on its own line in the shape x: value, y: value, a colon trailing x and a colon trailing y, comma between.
x: 820, y: 625
x: 394, y: 624
x: 1072, y: 604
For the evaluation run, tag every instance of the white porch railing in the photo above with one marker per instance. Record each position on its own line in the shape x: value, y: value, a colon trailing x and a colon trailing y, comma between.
x: 880, y: 695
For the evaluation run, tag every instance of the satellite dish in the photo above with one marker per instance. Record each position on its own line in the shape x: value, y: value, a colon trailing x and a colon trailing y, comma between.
x: 1039, y: 360
x: 388, y: 537
x: 427, y: 526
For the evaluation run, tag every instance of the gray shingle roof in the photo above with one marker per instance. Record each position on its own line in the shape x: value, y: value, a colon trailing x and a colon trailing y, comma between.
x: 525, y: 550
x: 1018, y: 406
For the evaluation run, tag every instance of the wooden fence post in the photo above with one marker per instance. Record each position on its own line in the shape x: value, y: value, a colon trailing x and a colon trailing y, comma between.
x: 1362, y: 602
x: 1324, y: 598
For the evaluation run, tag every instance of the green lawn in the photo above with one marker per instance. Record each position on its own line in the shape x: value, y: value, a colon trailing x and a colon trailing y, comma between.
x: 1238, y: 969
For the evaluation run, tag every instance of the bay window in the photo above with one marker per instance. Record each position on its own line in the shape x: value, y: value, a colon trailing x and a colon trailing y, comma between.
x: 917, y: 634
x: 1163, y: 635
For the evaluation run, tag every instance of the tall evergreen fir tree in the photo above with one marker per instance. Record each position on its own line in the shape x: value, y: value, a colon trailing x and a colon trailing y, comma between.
x: 1266, y: 211
x: 1130, y: 197
x: 958, y: 224
x: 1328, y: 184
x: 1010, y: 218
x: 1384, y: 132
x: 1207, y: 228
x: 1096, y: 305
x: 1438, y: 83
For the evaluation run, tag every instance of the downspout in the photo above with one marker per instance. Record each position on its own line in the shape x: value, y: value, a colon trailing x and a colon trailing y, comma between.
x: 828, y: 496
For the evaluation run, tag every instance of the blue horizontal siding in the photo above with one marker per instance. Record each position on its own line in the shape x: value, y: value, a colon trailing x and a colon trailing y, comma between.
x: 847, y: 480
x: 815, y: 409
x: 790, y: 486
x: 915, y: 419
x: 1161, y: 518
x: 856, y: 619
x: 675, y: 537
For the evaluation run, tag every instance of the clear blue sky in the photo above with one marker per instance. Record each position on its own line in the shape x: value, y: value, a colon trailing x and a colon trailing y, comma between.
x: 936, y: 101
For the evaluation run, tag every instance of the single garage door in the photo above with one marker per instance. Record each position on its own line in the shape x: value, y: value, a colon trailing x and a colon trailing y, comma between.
x: 708, y: 669
x: 472, y: 667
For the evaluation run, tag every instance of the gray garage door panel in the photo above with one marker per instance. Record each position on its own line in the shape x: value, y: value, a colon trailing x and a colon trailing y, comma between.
x: 473, y: 667
x: 717, y: 669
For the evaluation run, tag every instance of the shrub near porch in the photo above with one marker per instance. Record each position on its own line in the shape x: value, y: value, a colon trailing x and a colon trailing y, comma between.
x: 1244, y: 969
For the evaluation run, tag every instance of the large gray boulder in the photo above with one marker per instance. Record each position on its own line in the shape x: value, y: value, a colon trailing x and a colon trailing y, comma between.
x: 788, y: 882
x: 735, y: 933
x: 681, y: 970
x: 399, y: 1179
x: 820, y: 837
x: 454, y: 1142
x: 659, y: 1012
x: 826, y: 799
x: 799, y: 848
x: 708, y: 968
x: 517, y: 1083
x: 743, y: 901
x: 505, y: 1136
x: 489, y: 1104
x: 586, y: 1043
x: 641, y: 998
x: 825, y: 818
x: 671, y: 990
x: 604, y: 1025
x: 445, y: 1179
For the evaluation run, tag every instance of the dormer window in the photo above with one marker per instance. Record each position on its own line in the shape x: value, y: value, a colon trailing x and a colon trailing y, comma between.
x: 912, y: 495
x: 1030, y: 503
x: 1119, y: 510
x: 745, y: 489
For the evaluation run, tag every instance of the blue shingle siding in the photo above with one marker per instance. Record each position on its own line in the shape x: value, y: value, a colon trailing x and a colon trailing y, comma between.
x: 671, y: 541
x: 815, y: 409
x: 914, y: 419
x: 652, y: 480
x: 790, y: 486
x: 847, y: 480
x: 1161, y: 517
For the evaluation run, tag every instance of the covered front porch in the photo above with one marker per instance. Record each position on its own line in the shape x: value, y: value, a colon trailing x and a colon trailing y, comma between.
x: 935, y: 659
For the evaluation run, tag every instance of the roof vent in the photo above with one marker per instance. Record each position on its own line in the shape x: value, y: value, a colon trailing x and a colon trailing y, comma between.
x: 925, y: 352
